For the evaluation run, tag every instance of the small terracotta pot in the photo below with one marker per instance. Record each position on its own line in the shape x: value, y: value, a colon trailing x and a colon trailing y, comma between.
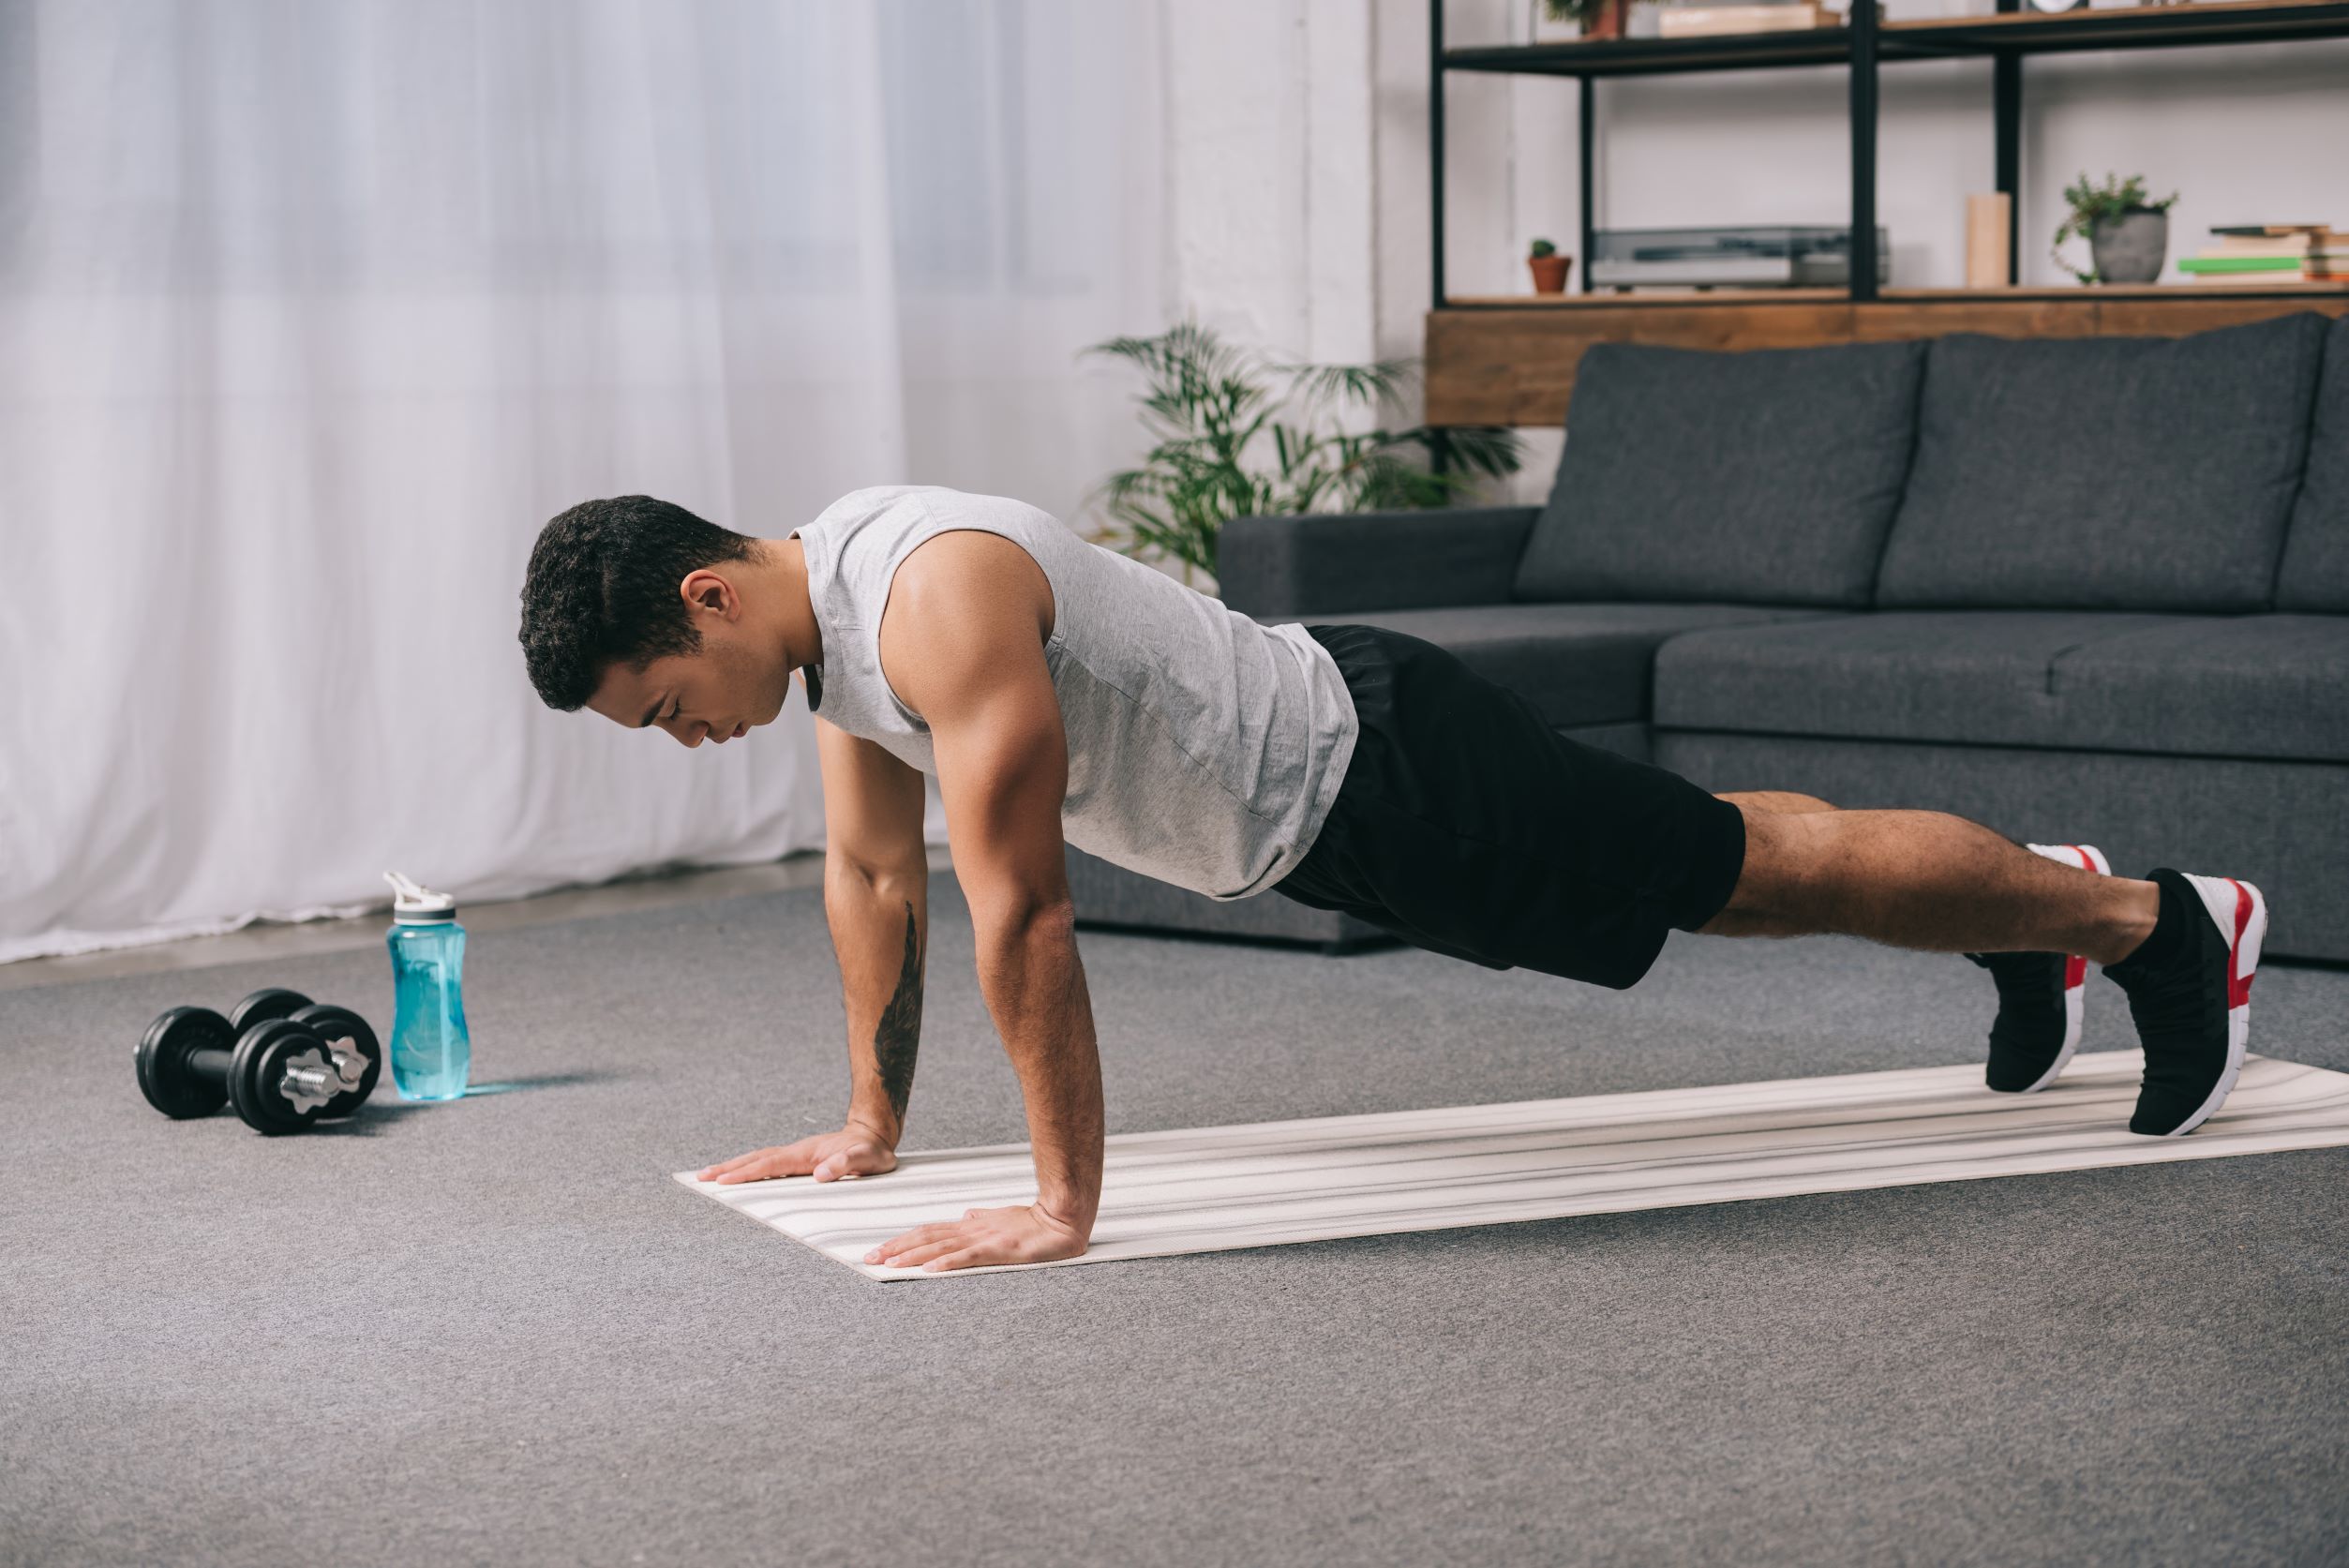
x: 1549, y: 273
x: 1608, y: 23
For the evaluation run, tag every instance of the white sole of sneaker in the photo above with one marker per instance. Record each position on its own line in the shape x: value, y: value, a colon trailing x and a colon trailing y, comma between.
x: 2241, y: 913
x: 2075, y: 968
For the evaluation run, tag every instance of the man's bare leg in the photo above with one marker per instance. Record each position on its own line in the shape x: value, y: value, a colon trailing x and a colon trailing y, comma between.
x: 1921, y: 879
x: 1782, y: 800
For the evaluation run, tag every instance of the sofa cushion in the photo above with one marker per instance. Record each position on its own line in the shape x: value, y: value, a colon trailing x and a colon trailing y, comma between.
x: 2247, y: 686
x: 1576, y: 663
x: 2315, y: 571
x: 2130, y: 474
x: 1354, y: 561
x: 1766, y: 477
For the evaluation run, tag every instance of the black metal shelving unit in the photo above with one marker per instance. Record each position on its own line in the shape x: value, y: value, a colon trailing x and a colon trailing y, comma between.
x: 1864, y: 45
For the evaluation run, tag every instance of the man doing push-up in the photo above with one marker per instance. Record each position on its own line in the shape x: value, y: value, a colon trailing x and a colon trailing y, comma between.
x: 1063, y: 694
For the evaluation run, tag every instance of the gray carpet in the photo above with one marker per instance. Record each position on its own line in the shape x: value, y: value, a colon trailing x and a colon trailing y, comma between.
x: 495, y: 1331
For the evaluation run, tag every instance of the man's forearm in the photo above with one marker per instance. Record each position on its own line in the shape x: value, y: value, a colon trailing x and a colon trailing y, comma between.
x: 880, y: 928
x: 1035, y: 989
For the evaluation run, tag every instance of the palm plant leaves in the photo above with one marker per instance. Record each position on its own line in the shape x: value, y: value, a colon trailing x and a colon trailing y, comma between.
x: 1213, y: 410
x: 1367, y: 384
x: 1483, y: 449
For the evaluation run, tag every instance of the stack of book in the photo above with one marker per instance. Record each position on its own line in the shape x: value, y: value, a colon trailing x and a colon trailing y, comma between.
x: 1702, y: 19
x: 2271, y: 253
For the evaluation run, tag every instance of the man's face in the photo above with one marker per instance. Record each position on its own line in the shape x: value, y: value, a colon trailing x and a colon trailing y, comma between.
x: 717, y: 695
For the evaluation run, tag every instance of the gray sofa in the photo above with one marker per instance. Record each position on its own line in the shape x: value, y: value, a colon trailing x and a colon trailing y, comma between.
x: 2087, y: 590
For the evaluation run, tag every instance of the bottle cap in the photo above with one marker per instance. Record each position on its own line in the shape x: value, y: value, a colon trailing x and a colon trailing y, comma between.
x: 414, y: 906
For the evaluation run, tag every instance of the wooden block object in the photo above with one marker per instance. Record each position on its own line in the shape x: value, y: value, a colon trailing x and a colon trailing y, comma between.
x: 1989, y: 221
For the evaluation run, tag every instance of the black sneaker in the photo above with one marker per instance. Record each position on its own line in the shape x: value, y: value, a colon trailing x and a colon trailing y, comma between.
x: 2040, y: 996
x: 2192, y: 997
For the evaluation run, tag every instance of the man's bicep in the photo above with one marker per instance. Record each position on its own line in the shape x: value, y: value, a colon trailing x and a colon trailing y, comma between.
x: 1003, y: 771
x: 872, y: 803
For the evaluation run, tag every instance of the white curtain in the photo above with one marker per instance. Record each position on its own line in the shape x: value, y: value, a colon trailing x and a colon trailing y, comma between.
x: 312, y: 312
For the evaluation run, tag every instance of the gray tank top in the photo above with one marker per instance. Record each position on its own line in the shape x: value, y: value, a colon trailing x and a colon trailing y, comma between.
x: 1204, y: 749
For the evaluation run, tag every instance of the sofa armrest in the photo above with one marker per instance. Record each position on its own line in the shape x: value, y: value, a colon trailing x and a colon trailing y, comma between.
x: 1339, y: 563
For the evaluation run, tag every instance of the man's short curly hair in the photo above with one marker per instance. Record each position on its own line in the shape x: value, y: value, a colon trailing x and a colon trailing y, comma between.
x: 602, y: 587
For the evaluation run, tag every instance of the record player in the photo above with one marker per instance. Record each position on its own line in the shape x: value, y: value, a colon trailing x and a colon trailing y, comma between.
x: 1771, y: 256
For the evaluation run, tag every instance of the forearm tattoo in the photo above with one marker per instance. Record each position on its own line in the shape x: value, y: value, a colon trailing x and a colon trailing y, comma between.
x: 900, y: 1029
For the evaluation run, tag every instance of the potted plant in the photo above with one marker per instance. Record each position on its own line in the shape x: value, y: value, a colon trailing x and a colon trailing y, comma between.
x: 1236, y: 433
x: 1600, y: 19
x: 1549, y: 268
x: 2128, y: 236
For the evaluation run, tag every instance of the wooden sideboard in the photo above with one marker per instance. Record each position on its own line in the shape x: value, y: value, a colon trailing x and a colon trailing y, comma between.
x: 1512, y: 360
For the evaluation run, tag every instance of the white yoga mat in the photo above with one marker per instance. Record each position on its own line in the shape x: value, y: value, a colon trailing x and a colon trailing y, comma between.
x: 1266, y: 1184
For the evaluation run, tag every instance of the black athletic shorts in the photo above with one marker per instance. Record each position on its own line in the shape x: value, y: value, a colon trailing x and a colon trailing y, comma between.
x: 1467, y: 825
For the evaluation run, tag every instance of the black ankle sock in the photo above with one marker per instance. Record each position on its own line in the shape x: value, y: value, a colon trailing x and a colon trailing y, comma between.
x: 2173, y: 929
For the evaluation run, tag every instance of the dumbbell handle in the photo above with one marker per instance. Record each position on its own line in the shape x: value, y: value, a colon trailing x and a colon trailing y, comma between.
x: 213, y: 1061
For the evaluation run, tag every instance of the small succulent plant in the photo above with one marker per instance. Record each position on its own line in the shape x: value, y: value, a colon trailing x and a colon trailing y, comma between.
x: 2093, y: 204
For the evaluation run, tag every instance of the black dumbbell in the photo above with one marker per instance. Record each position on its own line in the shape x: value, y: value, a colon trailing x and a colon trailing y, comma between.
x: 344, y: 1031
x: 283, y: 1061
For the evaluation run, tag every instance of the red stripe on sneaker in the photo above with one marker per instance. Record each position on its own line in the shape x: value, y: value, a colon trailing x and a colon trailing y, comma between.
x: 2238, y: 985
x: 2075, y: 968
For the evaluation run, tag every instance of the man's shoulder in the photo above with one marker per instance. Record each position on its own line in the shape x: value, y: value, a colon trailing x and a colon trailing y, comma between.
x: 972, y: 569
x: 960, y: 603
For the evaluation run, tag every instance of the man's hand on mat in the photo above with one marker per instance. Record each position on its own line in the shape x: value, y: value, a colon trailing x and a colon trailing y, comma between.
x: 1026, y: 1234
x: 853, y: 1151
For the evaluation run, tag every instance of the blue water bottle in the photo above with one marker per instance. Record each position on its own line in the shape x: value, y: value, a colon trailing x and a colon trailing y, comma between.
x: 431, y: 1052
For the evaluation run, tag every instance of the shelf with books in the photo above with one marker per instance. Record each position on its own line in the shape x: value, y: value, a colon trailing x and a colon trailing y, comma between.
x: 1863, y: 44
x: 2270, y: 254
x: 1722, y: 52
x: 2201, y: 24
x: 2120, y: 291
x: 1641, y: 297
x: 2007, y: 32
x: 1685, y: 298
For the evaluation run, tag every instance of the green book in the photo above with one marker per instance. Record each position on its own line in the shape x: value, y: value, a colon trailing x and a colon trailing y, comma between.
x: 2242, y: 263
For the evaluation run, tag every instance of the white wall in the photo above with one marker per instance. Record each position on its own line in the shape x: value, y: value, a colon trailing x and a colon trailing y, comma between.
x: 1272, y: 143
x: 1273, y: 170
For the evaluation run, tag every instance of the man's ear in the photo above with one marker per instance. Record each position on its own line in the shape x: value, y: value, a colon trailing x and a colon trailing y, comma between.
x: 705, y: 590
